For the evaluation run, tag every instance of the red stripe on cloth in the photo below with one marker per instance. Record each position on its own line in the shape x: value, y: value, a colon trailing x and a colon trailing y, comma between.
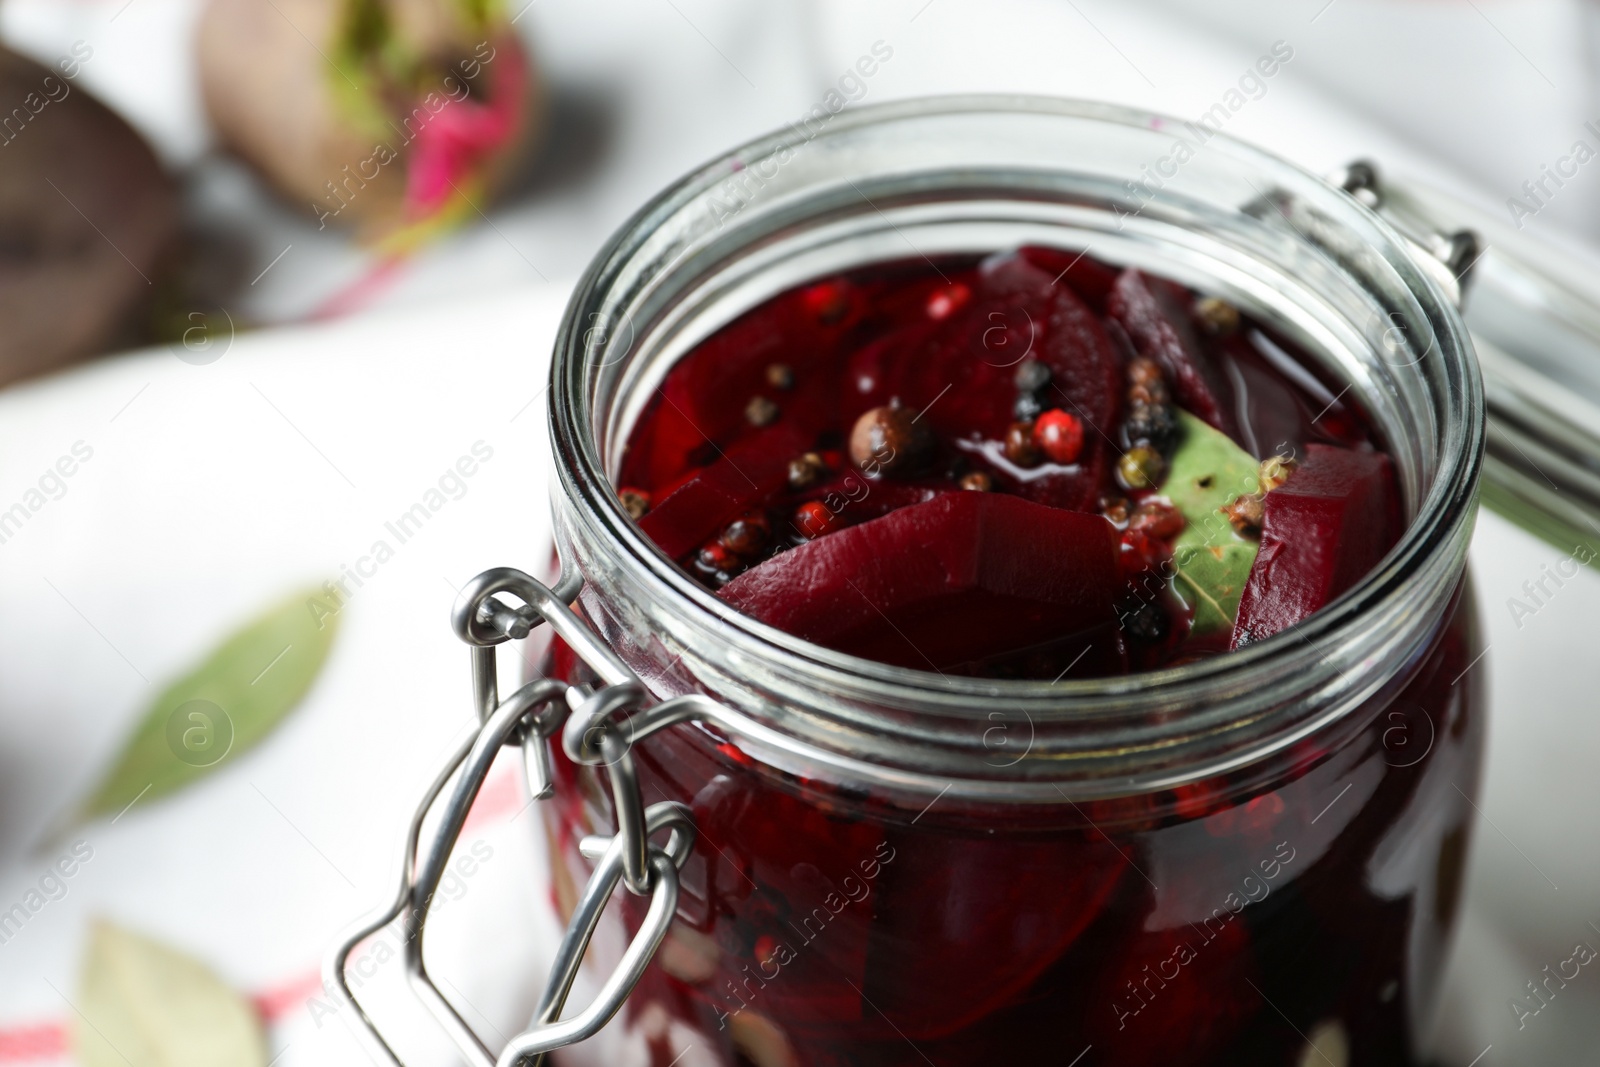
x: 30, y: 1044
x: 501, y: 797
x: 274, y: 1004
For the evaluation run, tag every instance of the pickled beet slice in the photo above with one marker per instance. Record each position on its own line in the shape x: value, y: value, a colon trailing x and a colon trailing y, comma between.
x: 747, y: 472
x: 704, y: 398
x: 954, y: 581
x: 1154, y: 312
x: 1321, y: 532
x: 1176, y: 996
x: 953, y: 944
x: 1091, y: 279
x: 960, y: 372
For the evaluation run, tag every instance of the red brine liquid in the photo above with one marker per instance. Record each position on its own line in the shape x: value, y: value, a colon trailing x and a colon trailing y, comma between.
x: 1035, y: 465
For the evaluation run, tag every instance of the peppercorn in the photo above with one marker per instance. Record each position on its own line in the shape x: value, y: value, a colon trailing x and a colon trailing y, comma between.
x: 748, y: 535
x: 1248, y: 510
x: 1275, y: 470
x: 1031, y: 376
x: 1141, y: 467
x: 977, y: 482
x: 1246, y: 513
x: 813, y: 519
x: 1020, y: 448
x: 1142, y: 620
x: 1059, y: 436
x: 889, y: 440
x: 1115, y: 509
x: 1151, y: 424
x: 636, y: 502
x: 1158, y: 519
x: 1139, y: 553
x: 805, y: 470
x: 1145, y: 371
x: 760, y: 411
x: 780, y: 376
x: 1149, y: 393
x: 1027, y: 407
x: 1217, y: 317
x: 944, y: 301
x: 829, y: 301
x: 715, y: 559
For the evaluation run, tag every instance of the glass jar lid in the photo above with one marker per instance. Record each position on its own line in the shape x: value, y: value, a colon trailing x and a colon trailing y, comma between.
x: 1533, y: 310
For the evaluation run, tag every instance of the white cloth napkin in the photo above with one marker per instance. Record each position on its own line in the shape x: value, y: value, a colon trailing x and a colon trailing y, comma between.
x: 211, y: 489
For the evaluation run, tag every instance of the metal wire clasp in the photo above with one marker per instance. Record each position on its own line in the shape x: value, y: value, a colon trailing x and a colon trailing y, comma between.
x: 597, y: 727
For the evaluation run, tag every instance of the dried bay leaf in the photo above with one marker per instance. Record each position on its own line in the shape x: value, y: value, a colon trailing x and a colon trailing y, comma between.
x: 143, y: 1004
x: 222, y: 707
x: 1211, y: 562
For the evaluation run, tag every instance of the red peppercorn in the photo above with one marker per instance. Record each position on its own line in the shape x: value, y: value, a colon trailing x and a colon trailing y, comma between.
x: 1158, y: 519
x: 829, y: 301
x: 813, y: 519
x: 1059, y: 436
x: 942, y: 302
x: 1141, y: 553
x: 715, y: 556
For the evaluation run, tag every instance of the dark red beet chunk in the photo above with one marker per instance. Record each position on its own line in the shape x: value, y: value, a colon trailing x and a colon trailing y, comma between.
x: 715, y: 494
x: 1154, y: 312
x: 1180, y: 996
x: 966, y: 928
x: 1018, y: 576
x: 1322, y: 531
x: 1035, y: 374
x: 962, y: 371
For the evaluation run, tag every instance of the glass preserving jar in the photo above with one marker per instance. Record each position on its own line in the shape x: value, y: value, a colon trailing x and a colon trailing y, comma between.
x: 1253, y: 858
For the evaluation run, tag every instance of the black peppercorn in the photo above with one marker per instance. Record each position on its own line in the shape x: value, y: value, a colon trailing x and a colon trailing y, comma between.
x: 1027, y: 407
x: 748, y: 536
x: 1031, y: 376
x: 1142, y: 620
x: 1151, y: 424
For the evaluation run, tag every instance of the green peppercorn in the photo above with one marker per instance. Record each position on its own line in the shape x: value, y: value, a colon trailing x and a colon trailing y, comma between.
x: 1216, y: 317
x: 760, y: 412
x: 1141, y: 467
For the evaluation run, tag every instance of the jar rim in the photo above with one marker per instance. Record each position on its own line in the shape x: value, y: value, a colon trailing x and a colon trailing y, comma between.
x: 1436, y: 533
